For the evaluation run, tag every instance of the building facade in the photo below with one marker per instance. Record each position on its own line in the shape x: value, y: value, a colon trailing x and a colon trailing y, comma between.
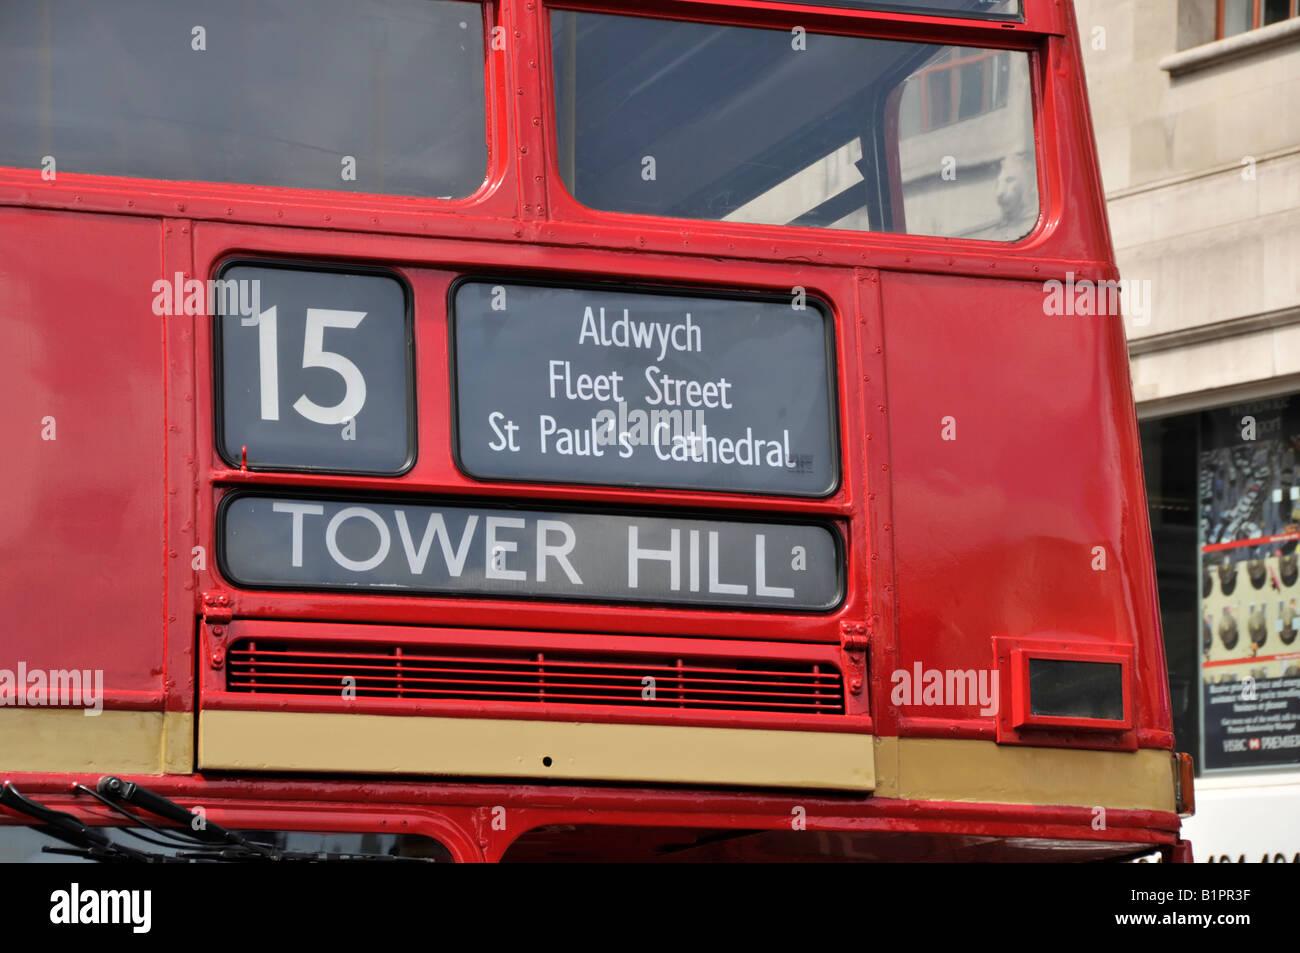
x: 1196, y: 105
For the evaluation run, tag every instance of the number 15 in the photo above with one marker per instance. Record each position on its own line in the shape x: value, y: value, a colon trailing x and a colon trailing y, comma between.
x: 313, y: 355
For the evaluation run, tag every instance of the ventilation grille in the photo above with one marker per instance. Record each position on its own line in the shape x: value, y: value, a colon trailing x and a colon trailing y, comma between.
x: 487, y: 675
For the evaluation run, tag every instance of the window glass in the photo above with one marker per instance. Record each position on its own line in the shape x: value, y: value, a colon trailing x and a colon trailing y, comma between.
x: 999, y: 9
x: 967, y: 166
x: 309, y: 387
x: 1169, y: 460
x: 1275, y: 11
x: 28, y: 845
x: 1237, y: 16
x: 380, y: 96
x: 735, y: 124
x: 1224, y: 489
x: 1063, y: 689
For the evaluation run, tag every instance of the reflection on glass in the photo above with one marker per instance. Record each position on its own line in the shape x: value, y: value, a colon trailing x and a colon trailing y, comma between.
x: 1000, y: 9
x: 382, y: 96
x: 734, y: 124
x: 407, y: 846
x: 27, y: 845
x: 967, y: 165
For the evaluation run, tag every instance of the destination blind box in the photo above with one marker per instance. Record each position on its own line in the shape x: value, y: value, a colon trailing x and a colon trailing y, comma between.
x: 673, y: 389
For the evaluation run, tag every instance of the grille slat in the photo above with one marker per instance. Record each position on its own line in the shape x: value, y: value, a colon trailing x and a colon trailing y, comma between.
x: 423, y: 673
x: 408, y: 671
x: 531, y: 664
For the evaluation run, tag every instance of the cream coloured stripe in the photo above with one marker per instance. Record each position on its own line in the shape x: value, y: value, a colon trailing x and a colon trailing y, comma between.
x: 943, y: 769
x: 125, y: 742
x: 478, y: 747
x: 66, y: 740
x: 915, y: 768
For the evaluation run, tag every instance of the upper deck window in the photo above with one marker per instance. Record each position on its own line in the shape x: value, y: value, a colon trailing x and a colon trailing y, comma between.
x: 993, y: 9
x: 380, y: 96
x: 739, y: 124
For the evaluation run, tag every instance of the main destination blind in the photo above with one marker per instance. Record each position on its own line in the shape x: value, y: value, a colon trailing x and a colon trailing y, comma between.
x: 605, y: 385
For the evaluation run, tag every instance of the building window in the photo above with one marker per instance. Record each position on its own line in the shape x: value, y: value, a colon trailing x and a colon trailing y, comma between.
x: 1239, y: 16
x: 1223, y: 489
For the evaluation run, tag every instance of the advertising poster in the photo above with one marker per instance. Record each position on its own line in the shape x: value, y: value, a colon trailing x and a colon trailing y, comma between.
x: 1249, y: 489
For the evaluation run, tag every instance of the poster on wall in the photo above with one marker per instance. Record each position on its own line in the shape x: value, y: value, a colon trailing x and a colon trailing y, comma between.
x: 1249, y: 492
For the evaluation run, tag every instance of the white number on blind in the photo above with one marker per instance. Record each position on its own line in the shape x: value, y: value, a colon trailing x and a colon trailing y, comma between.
x: 313, y: 355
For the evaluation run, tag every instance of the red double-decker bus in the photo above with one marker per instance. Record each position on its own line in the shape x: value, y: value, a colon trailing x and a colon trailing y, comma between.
x: 532, y: 430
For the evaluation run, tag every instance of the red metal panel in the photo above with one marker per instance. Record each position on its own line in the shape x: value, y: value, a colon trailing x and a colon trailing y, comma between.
x: 492, y: 817
x: 877, y: 572
x: 1032, y: 520
x: 184, y: 552
x: 81, y: 532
